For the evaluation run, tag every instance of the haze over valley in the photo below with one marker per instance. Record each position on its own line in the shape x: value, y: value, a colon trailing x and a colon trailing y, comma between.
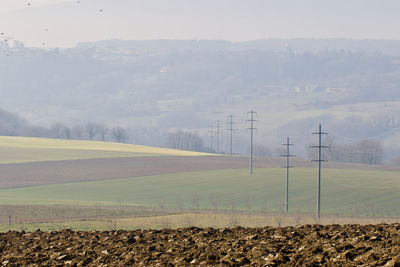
x: 154, y: 87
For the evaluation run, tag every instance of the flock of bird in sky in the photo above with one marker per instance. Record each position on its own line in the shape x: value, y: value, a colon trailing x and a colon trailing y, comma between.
x: 6, y: 38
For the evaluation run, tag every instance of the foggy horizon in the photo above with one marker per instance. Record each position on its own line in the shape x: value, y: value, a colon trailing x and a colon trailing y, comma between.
x: 61, y: 23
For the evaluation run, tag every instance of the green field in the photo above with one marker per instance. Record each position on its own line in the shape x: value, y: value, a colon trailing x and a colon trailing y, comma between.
x: 344, y: 192
x: 27, y: 149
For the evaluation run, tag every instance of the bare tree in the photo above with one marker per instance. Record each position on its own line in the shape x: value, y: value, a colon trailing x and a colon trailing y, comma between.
x: 214, y: 202
x: 278, y: 220
x: 59, y: 130
x: 261, y: 151
x: 371, y: 151
x: 248, y: 205
x: 185, y: 141
x: 265, y: 212
x: 365, y: 151
x: 92, y: 130
x: 120, y: 134
x: 179, y: 202
x: 11, y: 124
x: 196, y: 204
x: 232, y: 204
x: 298, y: 219
x: 161, y: 204
x: 77, y: 132
x: 67, y: 132
x: 103, y: 130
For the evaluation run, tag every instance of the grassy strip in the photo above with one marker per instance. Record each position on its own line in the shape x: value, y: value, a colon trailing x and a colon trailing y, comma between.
x: 215, y: 220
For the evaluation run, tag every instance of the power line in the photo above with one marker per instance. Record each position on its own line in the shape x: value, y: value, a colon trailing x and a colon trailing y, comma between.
x: 319, y: 160
x: 287, y: 156
x: 251, y: 120
x: 230, y: 129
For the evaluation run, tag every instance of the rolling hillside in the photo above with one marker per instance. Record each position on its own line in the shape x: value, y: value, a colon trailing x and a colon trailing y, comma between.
x: 28, y: 149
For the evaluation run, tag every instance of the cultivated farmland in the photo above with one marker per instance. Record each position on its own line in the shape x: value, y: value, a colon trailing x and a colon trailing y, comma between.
x: 105, y: 176
x: 95, y: 186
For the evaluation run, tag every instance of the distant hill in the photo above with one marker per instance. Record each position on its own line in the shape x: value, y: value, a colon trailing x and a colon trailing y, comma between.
x: 152, y: 87
x: 388, y: 47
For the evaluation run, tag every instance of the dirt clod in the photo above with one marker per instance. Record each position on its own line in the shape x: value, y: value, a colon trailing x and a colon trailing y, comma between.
x: 308, y: 245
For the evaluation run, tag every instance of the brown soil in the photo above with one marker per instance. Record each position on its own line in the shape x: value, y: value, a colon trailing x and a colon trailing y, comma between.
x: 52, y: 172
x: 309, y: 245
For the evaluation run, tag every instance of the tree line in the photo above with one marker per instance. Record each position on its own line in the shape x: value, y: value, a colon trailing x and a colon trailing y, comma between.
x: 13, y: 125
x: 366, y: 151
x: 184, y: 140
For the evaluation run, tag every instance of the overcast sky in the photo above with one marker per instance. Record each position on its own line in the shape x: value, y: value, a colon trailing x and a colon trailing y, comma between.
x: 61, y: 23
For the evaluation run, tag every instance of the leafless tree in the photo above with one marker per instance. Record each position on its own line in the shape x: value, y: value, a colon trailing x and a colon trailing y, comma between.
x: 261, y: 150
x: 103, y: 130
x: 248, y: 205
x: 196, y: 204
x: 265, y: 212
x: 120, y: 134
x: 77, y: 132
x: 298, y: 219
x: 165, y: 224
x: 161, y: 204
x: 179, y: 202
x: 59, y: 130
x: 92, y: 130
x: 233, y: 219
x: 214, y: 202
x: 184, y: 141
x: 278, y: 220
x: 371, y: 151
x: 11, y: 124
x: 365, y: 151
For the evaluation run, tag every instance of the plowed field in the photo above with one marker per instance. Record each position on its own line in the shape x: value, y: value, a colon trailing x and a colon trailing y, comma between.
x: 53, y: 172
x: 309, y: 245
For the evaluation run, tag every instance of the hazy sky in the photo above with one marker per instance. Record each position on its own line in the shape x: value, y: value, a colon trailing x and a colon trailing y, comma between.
x: 63, y: 23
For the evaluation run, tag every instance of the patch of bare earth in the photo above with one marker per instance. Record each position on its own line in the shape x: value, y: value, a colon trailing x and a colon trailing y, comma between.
x: 309, y: 245
x: 54, y: 172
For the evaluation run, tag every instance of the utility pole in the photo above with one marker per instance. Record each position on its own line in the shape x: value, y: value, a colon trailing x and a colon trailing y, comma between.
x: 287, y: 156
x: 319, y: 160
x: 211, y: 137
x: 251, y: 120
x: 230, y: 123
x: 217, y: 124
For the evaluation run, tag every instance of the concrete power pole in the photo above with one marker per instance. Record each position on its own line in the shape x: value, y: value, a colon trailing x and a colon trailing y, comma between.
x: 287, y: 156
x: 218, y: 125
x: 251, y: 120
x: 230, y: 123
x: 319, y: 160
x: 211, y: 137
